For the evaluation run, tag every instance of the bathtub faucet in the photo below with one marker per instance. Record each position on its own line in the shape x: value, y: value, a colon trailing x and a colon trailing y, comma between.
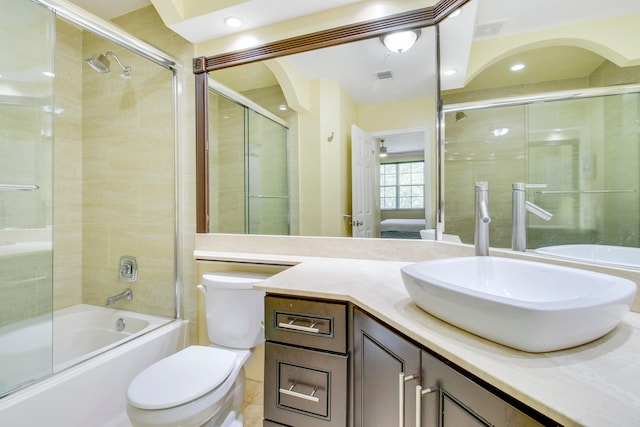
x: 127, y: 294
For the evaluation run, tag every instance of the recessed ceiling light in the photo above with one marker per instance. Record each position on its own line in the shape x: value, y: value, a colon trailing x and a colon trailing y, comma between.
x: 282, y: 107
x: 500, y: 131
x: 232, y: 22
x: 455, y: 13
x: 450, y: 72
x: 517, y: 67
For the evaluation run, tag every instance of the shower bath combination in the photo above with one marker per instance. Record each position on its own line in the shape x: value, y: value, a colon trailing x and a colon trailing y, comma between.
x: 100, y: 63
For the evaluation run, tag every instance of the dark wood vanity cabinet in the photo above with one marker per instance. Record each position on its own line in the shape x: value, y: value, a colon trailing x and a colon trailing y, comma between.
x: 310, y: 380
x: 386, y: 368
x: 306, y: 363
x: 390, y: 372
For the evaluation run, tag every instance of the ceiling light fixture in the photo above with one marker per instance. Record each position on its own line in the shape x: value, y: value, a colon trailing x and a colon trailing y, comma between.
x: 232, y: 22
x: 450, y: 72
x: 517, y: 67
x: 383, y: 149
x: 401, y: 41
x: 283, y: 107
x: 455, y: 13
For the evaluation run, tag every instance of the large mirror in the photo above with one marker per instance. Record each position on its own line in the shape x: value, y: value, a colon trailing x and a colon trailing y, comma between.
x: 355, y: 142
x: 567, y: 46
x: 353, y: 120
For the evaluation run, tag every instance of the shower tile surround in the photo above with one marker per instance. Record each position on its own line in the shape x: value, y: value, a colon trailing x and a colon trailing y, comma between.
x: 113, y: 171
x: 580, y: 386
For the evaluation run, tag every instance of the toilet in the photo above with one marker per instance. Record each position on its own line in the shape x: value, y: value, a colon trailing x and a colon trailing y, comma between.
x: 204, y: 385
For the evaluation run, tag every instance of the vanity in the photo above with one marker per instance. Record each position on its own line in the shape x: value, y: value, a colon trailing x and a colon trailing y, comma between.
x: 385, y: 334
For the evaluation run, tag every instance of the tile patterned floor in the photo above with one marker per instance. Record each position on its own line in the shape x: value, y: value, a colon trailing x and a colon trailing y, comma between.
x: 252, y: 407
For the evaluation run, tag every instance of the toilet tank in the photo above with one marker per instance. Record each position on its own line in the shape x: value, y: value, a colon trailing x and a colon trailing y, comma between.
x: 235, y: 311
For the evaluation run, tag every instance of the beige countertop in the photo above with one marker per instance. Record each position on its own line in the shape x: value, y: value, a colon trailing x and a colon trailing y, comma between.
x: 596, y: 384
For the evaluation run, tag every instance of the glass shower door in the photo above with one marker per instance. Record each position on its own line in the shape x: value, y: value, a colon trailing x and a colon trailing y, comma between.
x: 267, y: 176
x: 26, y: 195
x: 583, y: 150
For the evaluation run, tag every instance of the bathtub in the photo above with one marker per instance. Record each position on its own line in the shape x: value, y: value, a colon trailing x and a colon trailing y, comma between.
x: 93, y: 363
x: 621, y: 256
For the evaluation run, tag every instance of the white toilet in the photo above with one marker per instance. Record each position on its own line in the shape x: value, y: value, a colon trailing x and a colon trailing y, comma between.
x: 204, y: 385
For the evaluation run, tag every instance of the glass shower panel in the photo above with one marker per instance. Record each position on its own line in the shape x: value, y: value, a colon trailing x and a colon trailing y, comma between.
x: 584, y: 151
x: 227, y: 128
x: 128, y: 178
x: 267, y: 176
x: 482, y: 145
x: 26, y: 138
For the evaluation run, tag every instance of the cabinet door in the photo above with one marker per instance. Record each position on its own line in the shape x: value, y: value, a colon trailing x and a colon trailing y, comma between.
x: 458, y: 401
x: 380, y: 355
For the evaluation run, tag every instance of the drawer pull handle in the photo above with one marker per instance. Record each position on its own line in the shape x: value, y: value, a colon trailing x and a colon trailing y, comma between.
x: 291, y: 325
x: 419, y: 393
x: 402, y: 378
x: 290, y: 392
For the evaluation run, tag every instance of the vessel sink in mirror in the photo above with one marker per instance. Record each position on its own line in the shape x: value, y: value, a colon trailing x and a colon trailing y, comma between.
x: 525, y: 305
x: 620, y: 256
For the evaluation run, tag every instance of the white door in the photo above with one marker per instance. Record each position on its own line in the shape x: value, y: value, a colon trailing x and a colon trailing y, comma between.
x: 364, y: 168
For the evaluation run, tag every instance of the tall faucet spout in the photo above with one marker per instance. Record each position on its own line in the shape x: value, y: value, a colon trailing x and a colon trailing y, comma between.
x: 520, y: 206
x: 481, y: 240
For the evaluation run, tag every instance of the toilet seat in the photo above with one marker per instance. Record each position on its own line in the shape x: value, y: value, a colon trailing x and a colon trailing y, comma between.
x: 181, y: 377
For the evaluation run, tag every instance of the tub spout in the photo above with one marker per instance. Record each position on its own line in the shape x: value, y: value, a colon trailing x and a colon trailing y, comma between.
x: 127, y: 294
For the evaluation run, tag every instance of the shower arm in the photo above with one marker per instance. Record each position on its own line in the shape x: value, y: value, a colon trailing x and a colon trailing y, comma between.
x: 127, y: 70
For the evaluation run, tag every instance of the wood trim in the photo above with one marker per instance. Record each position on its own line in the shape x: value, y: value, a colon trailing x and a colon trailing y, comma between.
x: 202, y: 152
x: 418, y: 18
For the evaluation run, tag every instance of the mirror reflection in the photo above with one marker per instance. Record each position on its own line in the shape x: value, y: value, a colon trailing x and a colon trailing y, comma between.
x: 345, y: 114
x: 554, y: 106
x: 538, y: 124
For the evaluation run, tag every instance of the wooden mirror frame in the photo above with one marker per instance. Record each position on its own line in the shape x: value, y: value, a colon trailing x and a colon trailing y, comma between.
x: 418, y: 18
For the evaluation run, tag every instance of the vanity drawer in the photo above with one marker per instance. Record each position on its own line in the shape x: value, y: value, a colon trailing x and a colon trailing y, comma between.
x: 305, y: 387
x: 315, y: 324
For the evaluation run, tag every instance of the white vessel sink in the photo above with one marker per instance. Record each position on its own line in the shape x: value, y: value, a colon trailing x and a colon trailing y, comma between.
x: 601, y: 254
x: 526, y: 305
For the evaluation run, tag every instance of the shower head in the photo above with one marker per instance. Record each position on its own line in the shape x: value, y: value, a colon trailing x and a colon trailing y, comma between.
x: 101, y: 63
x: 460, y: 115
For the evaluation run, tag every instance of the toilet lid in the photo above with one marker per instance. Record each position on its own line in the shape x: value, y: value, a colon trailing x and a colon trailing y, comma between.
x: 180, y: 378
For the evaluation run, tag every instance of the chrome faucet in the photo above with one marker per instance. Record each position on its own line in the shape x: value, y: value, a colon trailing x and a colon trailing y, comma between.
x: 481, y: 238
x: 127, y: 294
x: 520, y: 206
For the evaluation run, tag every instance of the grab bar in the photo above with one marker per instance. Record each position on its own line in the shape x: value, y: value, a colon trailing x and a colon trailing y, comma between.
x: 583, y: 191
x: 18, y: 187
